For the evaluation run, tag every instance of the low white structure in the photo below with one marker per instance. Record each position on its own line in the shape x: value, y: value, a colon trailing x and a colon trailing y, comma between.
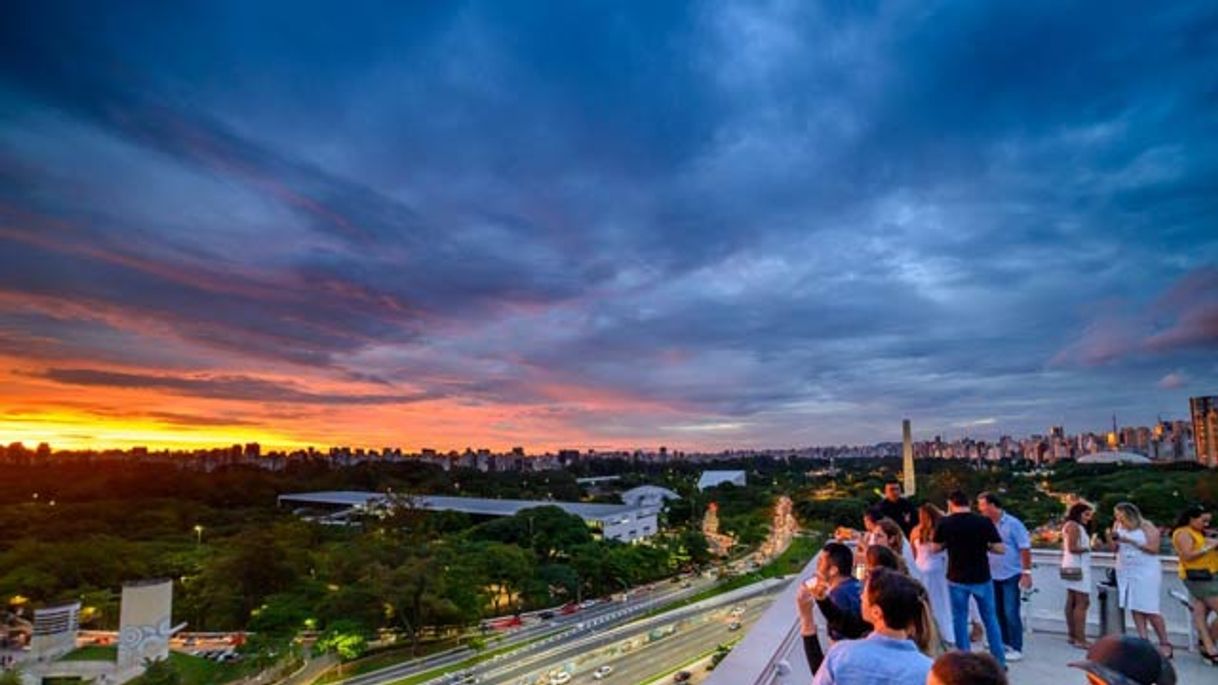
x: 1114, y: 458
x: 612, y: 521
x: 54, y: 631
x: 648, y: 497
x: 145, y: 626
x: 710, y: 479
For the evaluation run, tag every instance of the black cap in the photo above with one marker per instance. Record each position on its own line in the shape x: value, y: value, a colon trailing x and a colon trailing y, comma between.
x: 1127, y: 660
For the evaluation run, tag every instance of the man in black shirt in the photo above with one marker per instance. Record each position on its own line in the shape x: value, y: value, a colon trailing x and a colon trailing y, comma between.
x: 897, y: 508
x: 968, y: 537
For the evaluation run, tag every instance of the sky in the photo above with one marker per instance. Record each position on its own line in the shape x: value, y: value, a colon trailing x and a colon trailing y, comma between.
x: 702, y: 225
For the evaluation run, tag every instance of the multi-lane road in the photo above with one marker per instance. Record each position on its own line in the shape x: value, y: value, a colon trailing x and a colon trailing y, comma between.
x: 539, y: 636
x: 610, y: 633
x: 640, y: 650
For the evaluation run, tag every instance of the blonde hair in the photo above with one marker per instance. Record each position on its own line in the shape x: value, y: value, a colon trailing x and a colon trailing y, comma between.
x: 893, y: 532
x: 1129, y: 512
x: 925, y: 632
x: 928, y: 517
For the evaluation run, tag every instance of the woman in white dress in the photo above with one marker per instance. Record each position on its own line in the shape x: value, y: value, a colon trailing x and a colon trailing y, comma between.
x: 1139, y: 573
x: 932, y: 567
x: 1076, y: 571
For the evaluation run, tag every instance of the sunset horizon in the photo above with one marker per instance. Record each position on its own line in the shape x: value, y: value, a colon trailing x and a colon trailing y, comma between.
x: 706, y: 226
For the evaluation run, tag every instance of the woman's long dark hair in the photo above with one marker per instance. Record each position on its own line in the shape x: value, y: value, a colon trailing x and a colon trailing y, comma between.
x: 1075, y: 513
x: 1187, y: 516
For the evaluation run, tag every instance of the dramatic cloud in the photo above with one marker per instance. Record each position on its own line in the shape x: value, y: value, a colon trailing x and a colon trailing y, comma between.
x: 596, y: 224
x: 217, y: 387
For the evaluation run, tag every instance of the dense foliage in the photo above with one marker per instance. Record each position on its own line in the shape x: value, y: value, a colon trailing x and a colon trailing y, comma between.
x: 241, y: 562
x: 81, y: 532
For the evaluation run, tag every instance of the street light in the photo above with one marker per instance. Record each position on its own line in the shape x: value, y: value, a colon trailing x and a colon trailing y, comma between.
x: 198, y: 534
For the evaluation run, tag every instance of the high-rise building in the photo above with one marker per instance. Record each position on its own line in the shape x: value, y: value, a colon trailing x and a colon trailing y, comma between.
x: 1205, y: 428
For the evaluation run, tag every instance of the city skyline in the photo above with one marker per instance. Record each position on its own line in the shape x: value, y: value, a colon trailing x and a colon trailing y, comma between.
x: 1122, y: 437
x: 706, y: 226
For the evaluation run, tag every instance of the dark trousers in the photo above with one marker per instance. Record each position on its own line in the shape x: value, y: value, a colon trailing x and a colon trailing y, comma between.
x: 1006, y: 600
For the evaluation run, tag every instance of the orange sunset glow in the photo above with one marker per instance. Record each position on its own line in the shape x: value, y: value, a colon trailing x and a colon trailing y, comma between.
x: 697, y: 228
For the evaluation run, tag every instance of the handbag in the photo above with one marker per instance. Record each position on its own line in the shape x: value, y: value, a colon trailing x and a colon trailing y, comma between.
x: 1198, y: 574
x: 1071, y: 573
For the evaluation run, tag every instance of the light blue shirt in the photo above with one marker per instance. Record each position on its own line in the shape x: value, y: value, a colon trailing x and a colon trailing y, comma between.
x: 1015, y: 536
x: 873, y: 659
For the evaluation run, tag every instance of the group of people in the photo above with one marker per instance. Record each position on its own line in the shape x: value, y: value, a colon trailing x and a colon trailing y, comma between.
x: 918, y: 581
x: 1136, y: 542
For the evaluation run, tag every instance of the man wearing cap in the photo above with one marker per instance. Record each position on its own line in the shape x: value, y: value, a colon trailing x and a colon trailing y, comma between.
x: 1126, y: 660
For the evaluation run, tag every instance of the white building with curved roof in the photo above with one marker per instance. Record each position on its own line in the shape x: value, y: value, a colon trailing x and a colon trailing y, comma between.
x: 651, y: 497
x: 1114, y: 458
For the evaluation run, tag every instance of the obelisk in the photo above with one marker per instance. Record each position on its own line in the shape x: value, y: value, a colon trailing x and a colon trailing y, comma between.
x: 907, y: 461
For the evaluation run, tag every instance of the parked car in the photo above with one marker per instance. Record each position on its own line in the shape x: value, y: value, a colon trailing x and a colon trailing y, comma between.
x: 734, y: 625
x: 682, y: 676
x: 602, y: 672
x: 737, y: 610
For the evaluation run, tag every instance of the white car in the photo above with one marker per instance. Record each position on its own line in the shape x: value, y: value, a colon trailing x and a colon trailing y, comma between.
x: 737, y: 610
x: 602, y: 672
x: 560, y: 678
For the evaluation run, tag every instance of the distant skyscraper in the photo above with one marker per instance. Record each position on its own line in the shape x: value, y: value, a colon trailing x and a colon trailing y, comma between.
x: 908, y: 459
x: 1205, y: 428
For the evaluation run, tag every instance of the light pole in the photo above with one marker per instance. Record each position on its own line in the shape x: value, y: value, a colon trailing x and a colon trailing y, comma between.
x: 198, y: 534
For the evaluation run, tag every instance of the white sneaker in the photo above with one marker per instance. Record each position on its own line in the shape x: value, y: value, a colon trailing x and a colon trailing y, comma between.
x: 1013, y: 654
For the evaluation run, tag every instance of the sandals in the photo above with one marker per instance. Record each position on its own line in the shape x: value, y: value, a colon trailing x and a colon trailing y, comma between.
x: 1170, y: 653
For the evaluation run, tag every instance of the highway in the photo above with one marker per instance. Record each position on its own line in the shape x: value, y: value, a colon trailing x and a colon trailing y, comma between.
x: 563, y: 628
x: 567, y: 639
x: 638, y: 651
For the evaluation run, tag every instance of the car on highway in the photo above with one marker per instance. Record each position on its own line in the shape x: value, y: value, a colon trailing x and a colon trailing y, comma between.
x: 602, y: 672
x: 546, y: 615
x: 738, y: 610
x: 682, y: 676
x: 463, y: 679
x: 734, y: 625
x: 560, y: 678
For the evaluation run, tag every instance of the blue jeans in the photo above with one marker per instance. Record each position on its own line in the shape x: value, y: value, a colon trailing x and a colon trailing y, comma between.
x: 1006, y: 597
x: 984, y: 594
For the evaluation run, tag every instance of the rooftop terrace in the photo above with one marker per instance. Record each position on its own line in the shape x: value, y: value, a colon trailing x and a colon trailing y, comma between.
x: 772, y: 652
